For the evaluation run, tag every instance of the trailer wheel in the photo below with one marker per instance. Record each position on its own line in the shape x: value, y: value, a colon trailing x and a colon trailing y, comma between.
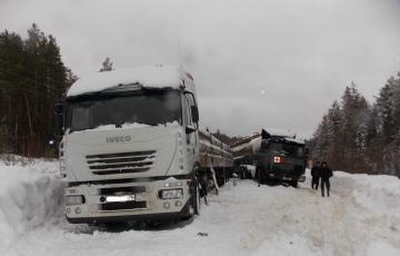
x: 220, y: 181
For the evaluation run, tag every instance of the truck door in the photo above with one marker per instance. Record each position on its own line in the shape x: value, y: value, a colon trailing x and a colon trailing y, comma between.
x: 191, y: 137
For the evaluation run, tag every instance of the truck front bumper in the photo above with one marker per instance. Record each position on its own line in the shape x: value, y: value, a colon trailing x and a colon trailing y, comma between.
x: 281, y: 175
x: 185, y: 212
x: 144, y: 202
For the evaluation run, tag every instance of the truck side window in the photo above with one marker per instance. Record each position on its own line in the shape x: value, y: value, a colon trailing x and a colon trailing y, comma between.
x: 81, y: 118
x: 300, y: 152
x: 188, y: 103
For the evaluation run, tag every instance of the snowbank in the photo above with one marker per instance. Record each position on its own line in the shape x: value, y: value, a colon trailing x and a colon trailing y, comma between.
x: 360, y: 218
x: 379, y: 194
x: 29, y: 196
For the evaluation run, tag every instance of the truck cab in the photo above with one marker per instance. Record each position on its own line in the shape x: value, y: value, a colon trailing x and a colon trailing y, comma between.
x: 281, y: 159
x: 130, y: 146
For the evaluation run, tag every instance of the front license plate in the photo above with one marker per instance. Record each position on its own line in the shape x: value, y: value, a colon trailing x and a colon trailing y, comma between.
x: 124, y: 198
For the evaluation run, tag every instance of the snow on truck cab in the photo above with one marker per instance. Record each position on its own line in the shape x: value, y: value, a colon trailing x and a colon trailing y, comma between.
x: 130, y: 148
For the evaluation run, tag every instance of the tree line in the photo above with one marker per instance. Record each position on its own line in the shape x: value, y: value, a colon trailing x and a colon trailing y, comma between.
x: 32, y: 78
x: 354, y: 135
x: 357, y: 136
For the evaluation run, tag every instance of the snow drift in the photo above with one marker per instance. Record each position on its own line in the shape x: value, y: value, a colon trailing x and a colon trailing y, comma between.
x: 379, y: 194
x: 29, y: 197
x: 361, y: 218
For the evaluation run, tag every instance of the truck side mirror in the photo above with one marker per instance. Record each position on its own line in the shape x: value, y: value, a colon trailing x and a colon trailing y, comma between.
x: 195, y: 114
x: 190, y: 130
x: 265, y: 135
x: 58, y: 111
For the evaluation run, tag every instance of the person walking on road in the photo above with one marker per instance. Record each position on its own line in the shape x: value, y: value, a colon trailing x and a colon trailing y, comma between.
x: 325, y: 173
x: 315, y: 175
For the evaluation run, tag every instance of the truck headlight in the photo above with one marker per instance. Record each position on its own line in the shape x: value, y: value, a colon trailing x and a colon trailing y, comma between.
x: 171, y: 193
x: 173, y: 184
x: 74, y: 200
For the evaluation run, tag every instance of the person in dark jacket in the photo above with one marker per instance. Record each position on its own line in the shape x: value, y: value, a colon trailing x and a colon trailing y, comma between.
x: 325, y: 173
x: 315, y: 176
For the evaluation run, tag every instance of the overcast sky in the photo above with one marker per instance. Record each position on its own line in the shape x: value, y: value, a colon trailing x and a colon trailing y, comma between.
x: 264, y: 63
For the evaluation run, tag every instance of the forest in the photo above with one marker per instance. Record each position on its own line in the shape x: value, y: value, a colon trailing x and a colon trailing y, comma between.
x: 32, y: 78
x: 358, y: 136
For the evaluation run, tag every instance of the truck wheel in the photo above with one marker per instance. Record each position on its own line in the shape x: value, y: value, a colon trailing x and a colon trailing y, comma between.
x: 220, y: 181
x: 259, y: 177
x: 196, y: 200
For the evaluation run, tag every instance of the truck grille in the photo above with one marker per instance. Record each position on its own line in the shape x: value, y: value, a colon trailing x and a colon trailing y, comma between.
x: 120, y: 163
x: 122, y: 190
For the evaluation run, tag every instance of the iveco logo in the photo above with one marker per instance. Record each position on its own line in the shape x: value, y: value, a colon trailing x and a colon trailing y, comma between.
x: 118, y: 139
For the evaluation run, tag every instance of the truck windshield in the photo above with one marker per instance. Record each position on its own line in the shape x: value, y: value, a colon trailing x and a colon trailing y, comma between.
x: 293, y: 150
x: 151, y: 107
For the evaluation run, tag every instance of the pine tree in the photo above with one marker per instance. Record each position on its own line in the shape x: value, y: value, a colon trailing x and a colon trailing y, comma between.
x: 385, y: 112
x: 70, y: 77
x: 12, y: 78
x: 320, y: 142
x: 374, y: 145
x: 355, y: 109
x: 107, y: 65
x: 335, y: 134
x: 395, y: 103
x: 341, y: 137
x: 32, y: 78
x: 391, y: 157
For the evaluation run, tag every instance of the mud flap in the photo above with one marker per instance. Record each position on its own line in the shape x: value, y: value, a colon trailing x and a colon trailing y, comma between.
x: 214, y: 178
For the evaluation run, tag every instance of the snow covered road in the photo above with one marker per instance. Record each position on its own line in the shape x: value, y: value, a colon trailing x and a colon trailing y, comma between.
x: 362, y: 217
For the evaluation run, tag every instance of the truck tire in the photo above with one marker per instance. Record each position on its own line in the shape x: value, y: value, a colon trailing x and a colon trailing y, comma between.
x: 256, y: 175
x: 196, y: 199
x: 220, y: 181
x: 259, y: 177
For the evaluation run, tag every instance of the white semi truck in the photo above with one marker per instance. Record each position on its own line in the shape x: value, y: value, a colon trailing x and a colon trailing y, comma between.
x: 131, y: 148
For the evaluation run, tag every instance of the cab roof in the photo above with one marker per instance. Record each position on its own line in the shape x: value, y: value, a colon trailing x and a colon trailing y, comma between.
x: 161, y: 76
